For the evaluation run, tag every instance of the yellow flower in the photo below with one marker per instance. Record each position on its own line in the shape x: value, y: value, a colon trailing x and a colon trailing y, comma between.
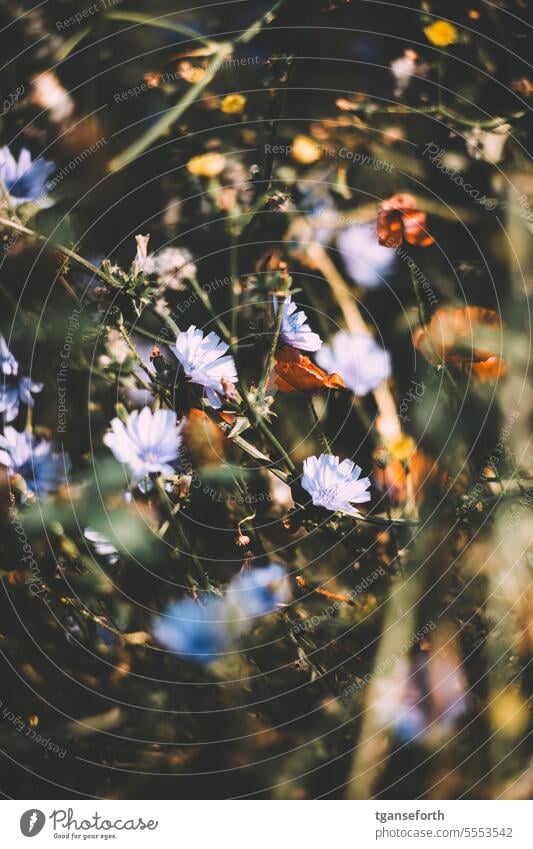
x: 233, y: 104
x: 305, y: 150
x: 206, y: 165
x: 441, y: 33
x: 403, y: 448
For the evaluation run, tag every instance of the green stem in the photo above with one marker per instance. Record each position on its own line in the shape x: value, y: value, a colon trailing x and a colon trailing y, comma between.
x: 223, y: 52
x: 79, y: 260
x: 206, y: 301
x: 318, y: 423
x: 269, y: 366
x: 369, y: 110
x: 181, y: 535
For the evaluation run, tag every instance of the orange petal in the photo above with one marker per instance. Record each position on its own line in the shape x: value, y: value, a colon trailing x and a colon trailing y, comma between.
x: 296, y: 372
x: 415, y: 229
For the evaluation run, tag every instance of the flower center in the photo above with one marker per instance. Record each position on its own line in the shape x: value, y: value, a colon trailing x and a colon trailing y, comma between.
x: 328, y: 495
x: 149, y: 455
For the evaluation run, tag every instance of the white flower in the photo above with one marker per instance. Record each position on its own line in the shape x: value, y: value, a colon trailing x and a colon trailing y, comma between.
x: 368, y: 263
x: 295, y: 330
x: 358, y: 359
x: 171, y: 267
x: 403, y: 69
x: 148, y: 442
x: 334, y: 485
x: 48, y: 93
x: 203, y: 362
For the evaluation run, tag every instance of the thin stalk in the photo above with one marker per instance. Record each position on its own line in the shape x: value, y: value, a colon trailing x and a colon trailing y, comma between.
x: 271, y: 359
x: 316, y: 418
x: 222, y: 53
x: 75, y: 257
x: 206, y: 301
x: 181, y: 535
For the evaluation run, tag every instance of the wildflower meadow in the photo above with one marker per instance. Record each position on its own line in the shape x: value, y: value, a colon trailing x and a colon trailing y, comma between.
x: 266, y: 481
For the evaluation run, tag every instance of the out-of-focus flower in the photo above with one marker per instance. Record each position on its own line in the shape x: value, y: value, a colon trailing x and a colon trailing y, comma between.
x: 464, y: 336
x: 305, y: 150
x: 233, y: 104
x: 441, y: 33
x: 294, y: 372
x: 295, y: 330
x: 152, y: 79
x: 485, y: 145
x: 48, y: 93
x: 368, y: 263
x: 259, y: 591
x: 148, y: 443
x: 199, y: 633
x: 25, y: 179
x: 203, y: 440
x: 335, y: 485
x: 207, y: 165
x: 523, y: 86
x: 204, y: 361
x: 101, y: 544
x: 171, y: 267
x: 191, y: 73
x: 403, y: 69
x: 142, y: 253
x: 399, y: 220
x: 202, y: 633
x: 42, y: 469
x: 392, y: 473
x: 358, y: 359
x: 14, y: 389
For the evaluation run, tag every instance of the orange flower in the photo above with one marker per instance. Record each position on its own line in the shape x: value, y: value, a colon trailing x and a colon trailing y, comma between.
x: 203, y: 440
x: 466, y: 337
x: 399, y: 220
x: 296, y: 372
x: 390, y: 475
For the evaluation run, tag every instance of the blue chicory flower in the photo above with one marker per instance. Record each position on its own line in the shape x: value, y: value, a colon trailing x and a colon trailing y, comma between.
x: 14, y: 389
x: 259, y: 591
x: 198, y: 633
x: 203, y: 633
x: 335, y: 485
x: 25, y: 179
x: 42, y: 469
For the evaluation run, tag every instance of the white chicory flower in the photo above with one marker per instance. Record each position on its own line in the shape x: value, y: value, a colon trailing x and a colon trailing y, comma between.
x: 358, y: 359
x: 368, y: 263
x: 335, y: 485
x: 204, y: 361
x: 295, y: 330
x: 148, y: 443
